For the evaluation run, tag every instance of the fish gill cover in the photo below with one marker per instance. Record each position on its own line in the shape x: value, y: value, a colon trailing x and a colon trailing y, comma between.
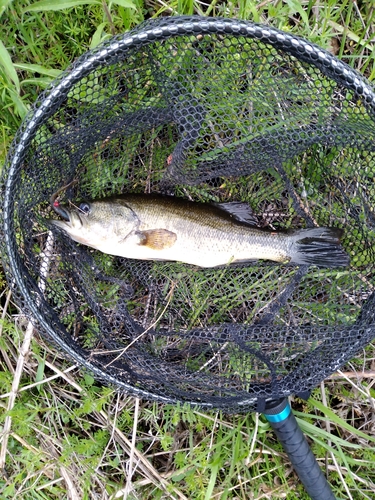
x: 213, y: 111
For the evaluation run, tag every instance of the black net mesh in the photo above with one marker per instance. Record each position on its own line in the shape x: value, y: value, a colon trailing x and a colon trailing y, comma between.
x: 207, y: 110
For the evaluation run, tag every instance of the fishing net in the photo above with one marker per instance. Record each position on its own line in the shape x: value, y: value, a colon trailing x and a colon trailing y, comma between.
x: 212, y: 111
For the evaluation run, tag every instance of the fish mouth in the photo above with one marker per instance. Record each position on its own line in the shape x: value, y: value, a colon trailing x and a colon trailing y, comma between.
x: 64, y: 213
x: 71, y: 219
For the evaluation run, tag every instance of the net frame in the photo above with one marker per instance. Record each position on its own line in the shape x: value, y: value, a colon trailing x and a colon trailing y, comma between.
x: 55, y: 96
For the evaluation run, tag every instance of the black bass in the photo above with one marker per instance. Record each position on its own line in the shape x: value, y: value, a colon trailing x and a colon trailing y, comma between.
x: 155, y: 227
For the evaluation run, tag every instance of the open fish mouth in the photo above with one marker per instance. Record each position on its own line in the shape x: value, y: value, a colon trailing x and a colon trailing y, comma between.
x: 71, y: 219
x: 64, y: 214
x: 55, y: 203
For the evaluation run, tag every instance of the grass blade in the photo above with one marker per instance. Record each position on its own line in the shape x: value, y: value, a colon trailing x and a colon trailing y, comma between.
x: 18, y: 103
x: 58, y: 4
x: 3, y: 5
x: 339, y: 421
x: 97, y: 36
x: 7, y: 64
x: 296, y: 6
x: 36, y: 68
x: 128, y: 4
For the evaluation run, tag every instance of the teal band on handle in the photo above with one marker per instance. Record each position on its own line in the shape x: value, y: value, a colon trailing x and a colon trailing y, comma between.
x: 279, y: 417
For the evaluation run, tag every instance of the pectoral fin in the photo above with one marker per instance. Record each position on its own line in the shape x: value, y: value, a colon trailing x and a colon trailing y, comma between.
x: 157, y: 239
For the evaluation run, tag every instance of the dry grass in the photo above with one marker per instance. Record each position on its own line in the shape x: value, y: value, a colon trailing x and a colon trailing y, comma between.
x: 73, y: 439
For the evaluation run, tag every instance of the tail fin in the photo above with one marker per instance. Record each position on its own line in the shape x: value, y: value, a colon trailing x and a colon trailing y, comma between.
x: 319, y: 246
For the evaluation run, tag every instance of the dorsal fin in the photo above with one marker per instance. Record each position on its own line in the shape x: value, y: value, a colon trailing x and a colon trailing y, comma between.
x: 240, y: 211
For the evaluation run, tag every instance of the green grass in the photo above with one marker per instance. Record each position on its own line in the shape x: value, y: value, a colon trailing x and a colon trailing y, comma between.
x: 69, y: 432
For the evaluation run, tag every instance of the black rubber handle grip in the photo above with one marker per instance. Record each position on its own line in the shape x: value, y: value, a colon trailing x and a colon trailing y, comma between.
x: 295, y: 445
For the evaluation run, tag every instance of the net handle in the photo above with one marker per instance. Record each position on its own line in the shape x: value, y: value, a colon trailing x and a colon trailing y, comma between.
x: 284, y: 424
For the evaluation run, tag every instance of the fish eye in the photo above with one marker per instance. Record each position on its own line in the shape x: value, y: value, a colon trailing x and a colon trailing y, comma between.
x: 85, y: 208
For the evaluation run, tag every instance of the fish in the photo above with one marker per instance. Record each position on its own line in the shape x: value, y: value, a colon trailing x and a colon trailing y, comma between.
x: 169, y: 228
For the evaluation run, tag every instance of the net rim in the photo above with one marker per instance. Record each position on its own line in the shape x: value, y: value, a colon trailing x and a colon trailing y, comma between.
x: 55, y: 95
